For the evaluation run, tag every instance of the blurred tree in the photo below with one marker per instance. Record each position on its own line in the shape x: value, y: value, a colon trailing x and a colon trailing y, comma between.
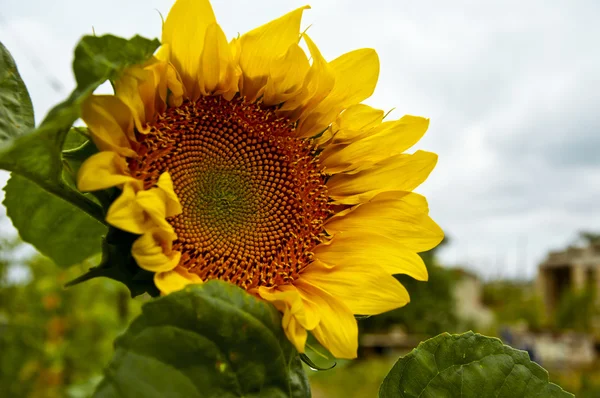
x: 589, y: 237
x: 514, y: 302
x: 576, y: 310
x: 54, y: 340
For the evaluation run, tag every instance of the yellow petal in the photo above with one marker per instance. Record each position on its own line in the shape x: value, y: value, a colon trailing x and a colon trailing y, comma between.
x: 356, y: 121
x: 154, y: 204
x: 173, y: 206
x: 317, y: 85
x: 337, y: 330
x: 236, y: 49
x: 139, y: 211
x: 260, y: 47
x: 356, y: 75
x: 125, y: 213
x: 364, y: 290
x: 110, y: 122
x: 144, y: 90
x: 387, y: 140
x: 184, y: 32
x: 104, y: 170
x: 152, y: 251
x: 286, y: 297
x: 369, y: 251
x: 175, y: 87
x: 287, y: 76
x: 398, y: 173
x: 296, y: 319
x: 296, y: 334
x: 174, y: 280
x: 219, y: 74
x: 324, y: 139
x: 170, y: 86
x: 153, y: 89
x: 400, y: 216
x: 359, y: 117
x: 127, y: 89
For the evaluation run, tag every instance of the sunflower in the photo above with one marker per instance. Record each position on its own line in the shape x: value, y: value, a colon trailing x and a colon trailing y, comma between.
x: 254, y: 162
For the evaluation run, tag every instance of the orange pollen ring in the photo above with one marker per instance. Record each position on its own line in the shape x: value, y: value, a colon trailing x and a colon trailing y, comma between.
x: 254, y: 196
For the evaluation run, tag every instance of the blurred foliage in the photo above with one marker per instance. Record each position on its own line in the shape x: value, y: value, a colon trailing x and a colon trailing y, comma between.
x: 431, y: 310
x: 584, y: 383
x: 55, y: 341
x: 576, y: 310
x: 356, y: 378
x: 514, y: 302
x: 589, y: 237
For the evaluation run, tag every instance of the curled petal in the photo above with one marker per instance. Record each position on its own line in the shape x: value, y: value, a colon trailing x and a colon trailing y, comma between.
x: 125, y: 212
x: 173, y: 206
x: 337, y: 330
x: 174, y: 280
x: 307, y: 307
x: 153, y: 251
x: 296, y: 319
x: 138, y: 211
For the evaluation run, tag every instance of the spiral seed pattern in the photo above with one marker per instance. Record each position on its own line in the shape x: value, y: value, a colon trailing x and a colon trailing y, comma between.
x: 254, y: 197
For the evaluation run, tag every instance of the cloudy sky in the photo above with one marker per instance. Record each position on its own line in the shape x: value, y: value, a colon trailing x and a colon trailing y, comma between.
x: 512, y: 89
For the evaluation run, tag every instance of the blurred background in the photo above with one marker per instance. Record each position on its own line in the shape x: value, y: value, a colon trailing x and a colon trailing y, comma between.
x: 512, y: 90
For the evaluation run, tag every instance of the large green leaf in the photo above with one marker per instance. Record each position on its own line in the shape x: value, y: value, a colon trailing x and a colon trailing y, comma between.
x: 59, y: 230
x: 37, y: 153
x: 38, y: 214
x: 210, y: 340
x: 16, y: 111
x: 467, y: 365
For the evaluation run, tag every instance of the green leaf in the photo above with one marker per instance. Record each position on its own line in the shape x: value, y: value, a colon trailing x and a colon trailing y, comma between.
x: 59, y: 230
x: 467, y: 365
x: 76, y: 149
x: 16, y: 111
x: 102, y: 58
x: 36, y: 154
x: 76, y: 137
x: 209, y: 340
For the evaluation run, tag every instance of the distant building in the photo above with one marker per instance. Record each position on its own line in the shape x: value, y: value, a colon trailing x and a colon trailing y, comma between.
x: 572, y: 269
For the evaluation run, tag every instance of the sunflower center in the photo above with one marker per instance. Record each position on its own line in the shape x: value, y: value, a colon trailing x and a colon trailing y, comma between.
x: 253, y: 195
